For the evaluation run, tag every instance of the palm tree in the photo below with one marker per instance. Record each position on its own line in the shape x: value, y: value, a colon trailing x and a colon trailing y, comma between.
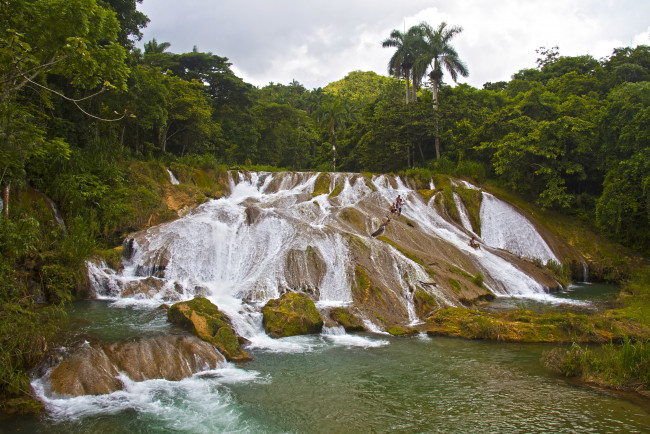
x: 153, y: 47
x: 402, y: 61
x: 333, y: 114
x: 438, y: 54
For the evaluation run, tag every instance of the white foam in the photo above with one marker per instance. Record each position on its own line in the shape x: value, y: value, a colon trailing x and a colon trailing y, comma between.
x: 193, y: 404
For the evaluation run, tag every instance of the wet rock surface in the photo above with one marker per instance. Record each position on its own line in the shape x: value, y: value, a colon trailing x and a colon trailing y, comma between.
x: 205, y: 320
x: 290, y: 315
x: 95, y: 368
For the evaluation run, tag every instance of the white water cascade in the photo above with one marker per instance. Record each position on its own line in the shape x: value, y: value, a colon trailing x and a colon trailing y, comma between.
x: 271, y: 234
x: 172, y: 178
x: 503, y: 227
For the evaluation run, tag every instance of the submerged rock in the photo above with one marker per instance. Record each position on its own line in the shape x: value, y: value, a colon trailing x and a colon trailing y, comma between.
x: 290, y: 315
x: 93, y: 369
x: 206, y: 321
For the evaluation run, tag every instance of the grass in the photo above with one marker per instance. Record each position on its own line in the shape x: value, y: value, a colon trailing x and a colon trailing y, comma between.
x: 620, y: 366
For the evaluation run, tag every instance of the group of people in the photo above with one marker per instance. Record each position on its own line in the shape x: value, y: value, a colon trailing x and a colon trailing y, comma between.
x: 397, y: 206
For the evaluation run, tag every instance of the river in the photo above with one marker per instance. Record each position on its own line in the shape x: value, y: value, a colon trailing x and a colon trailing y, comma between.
x: 337, y: 382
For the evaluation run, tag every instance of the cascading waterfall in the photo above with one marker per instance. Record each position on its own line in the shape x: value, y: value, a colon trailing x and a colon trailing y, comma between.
x: 505, y: 228
x: 270, y: 235
x: 463, y: 213
x: 172, y: 178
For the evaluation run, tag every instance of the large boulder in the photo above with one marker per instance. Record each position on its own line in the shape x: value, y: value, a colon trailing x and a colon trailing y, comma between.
x: 206, y: 321
x: 290, y: 315
x: 94, y: 369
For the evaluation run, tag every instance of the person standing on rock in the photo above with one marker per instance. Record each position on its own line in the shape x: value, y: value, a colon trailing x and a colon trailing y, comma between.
x: 399, y: 202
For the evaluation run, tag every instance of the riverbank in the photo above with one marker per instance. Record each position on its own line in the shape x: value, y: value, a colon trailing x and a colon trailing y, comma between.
x: 619, y: 360
x: 621, y: 366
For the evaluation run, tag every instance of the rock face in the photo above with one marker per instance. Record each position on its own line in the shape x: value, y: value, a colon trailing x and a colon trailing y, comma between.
x: 290, y: 315
x: 206, y: 321
x: 93, y: 369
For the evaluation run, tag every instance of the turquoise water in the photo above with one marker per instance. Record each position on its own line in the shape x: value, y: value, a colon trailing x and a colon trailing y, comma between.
x: 578, y: 296
x: 343, y: 383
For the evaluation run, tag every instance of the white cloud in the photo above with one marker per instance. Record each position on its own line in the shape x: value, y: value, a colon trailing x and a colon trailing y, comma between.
x: 642, y: 38
x: 317, y: 42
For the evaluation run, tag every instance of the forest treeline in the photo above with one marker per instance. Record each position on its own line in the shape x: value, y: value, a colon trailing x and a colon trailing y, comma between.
x: 571, y: 133
x: 79, y: 102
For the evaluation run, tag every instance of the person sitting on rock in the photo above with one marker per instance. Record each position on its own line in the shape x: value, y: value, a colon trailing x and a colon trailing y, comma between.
x: 473, y: 243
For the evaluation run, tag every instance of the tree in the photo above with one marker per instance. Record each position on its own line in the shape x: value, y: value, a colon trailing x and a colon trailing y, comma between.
x: 437, y: 54
x: 333, y: 115
x: 153, y: 47
x: 132, y: 21
x: 402, y: 62
x: 75, y: 41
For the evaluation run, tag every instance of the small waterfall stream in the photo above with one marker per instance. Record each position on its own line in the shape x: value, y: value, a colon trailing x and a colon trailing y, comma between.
x: 172, y: 178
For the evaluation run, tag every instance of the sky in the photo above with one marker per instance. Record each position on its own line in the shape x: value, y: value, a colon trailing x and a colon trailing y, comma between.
x: 317, y: 42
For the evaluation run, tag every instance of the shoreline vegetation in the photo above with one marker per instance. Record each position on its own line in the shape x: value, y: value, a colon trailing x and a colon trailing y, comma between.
x: 90, y: 125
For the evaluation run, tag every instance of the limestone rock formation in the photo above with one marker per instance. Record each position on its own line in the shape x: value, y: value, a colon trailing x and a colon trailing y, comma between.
x: 290, y: 315
x: 93, y: 369
x: 206, y: 321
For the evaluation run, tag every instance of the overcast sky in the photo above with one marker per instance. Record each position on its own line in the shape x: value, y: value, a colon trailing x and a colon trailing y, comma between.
x: 316, y: 42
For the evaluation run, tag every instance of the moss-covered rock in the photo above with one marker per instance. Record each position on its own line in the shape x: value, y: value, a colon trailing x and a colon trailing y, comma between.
x: 321, y: 185
x: 400, y: 331
x: 347, y: 319
x: 425, y: 303
x: 526, y: 326
x: 206, y: 321
x: 290, y: 315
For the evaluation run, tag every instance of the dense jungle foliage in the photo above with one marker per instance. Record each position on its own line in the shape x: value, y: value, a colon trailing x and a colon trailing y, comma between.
x: 83, y: 112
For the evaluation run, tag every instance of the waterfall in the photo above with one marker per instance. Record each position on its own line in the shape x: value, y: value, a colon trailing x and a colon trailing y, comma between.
x: 463, y: 213
x: 172, y: 178
x: 270, y: 234
x: 503, y: 227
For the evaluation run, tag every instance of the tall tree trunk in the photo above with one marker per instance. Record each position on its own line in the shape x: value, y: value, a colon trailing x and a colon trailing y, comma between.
x: 408, y: 88
x: 5, y: 200
x: 122, y: 135
x: 437, y: 118
x: 414, y: 97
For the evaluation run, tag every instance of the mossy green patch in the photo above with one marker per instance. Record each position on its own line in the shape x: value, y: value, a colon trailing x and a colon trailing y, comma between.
x: 426, y: 194
x: 455, y: 285
x: 425, y: 303
x: 206, y: 321
x: 363, y: 282
x: 290, y: 315
x: 337, y: 189
x: 450, y: 204
x: 347, y: 319
x: 353, y: 216
x: 526, y: 326
x: 400, y: 331
x: 367, y: 179
x: 472, y: 201
x: 321, y: 185
x: 112, y: 257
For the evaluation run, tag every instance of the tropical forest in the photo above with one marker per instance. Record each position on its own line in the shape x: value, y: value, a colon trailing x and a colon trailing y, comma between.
x: 181, y: 250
